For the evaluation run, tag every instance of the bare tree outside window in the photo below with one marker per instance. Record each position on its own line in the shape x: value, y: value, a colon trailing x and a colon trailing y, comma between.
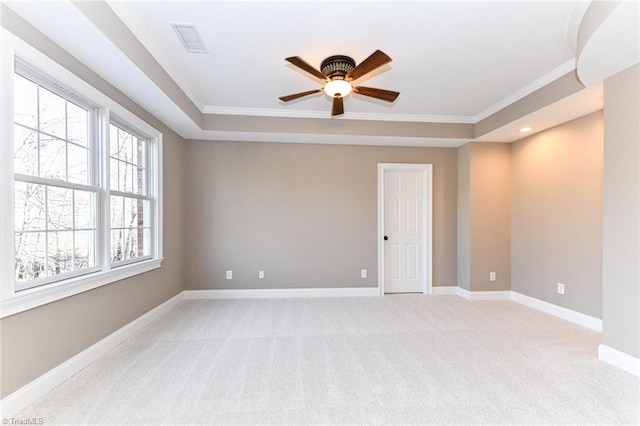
x: 54, y: 201
x: 130, y: 204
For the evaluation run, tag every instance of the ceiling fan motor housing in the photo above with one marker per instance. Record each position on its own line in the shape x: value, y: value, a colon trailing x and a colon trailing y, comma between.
x: 337, y: 66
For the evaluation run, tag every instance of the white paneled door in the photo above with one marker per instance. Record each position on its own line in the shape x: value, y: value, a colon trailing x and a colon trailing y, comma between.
x: 403, y: 228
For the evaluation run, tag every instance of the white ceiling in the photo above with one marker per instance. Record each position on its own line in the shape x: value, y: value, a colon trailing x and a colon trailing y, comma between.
x: 449, y: 58
x: 453, y: 62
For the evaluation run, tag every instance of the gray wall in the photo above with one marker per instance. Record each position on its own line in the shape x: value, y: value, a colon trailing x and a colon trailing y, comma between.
x: 621, y: 213
x: 484, y: 183
x: 490, y: 219
x: 464, y: 217
x: 556, y: 214
x: 305, y: 214
x: 35, y: 341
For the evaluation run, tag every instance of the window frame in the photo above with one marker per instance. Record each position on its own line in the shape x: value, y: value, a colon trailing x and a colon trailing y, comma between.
x: 12, y: 300
x: 149, y: 190
x: 92, y: 185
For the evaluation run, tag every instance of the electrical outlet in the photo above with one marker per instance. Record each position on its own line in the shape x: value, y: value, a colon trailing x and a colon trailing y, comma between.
x: 560, y: 288
x: 363, y: 273
x: 229, y: 275
x: 261, y: 274
x: 492, y: 276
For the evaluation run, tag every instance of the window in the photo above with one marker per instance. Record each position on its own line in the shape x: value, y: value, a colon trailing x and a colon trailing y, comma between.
x: 54, y: 201
x: 130, y: 229
x: 86, y: 189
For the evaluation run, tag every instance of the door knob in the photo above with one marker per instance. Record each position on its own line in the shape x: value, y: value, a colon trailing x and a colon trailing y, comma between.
x: 386, y: 238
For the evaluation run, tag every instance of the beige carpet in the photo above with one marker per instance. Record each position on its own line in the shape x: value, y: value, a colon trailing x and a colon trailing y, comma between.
x: 383, y: 360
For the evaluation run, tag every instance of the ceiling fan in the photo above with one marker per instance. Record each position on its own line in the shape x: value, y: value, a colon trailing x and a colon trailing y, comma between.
x: 338, y: 72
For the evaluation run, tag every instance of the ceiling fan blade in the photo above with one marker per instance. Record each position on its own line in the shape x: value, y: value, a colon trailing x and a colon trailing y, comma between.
x: 385, y: 95
x: 337, y: 108
x: 300, y: 63
x: 298, y: 95
x: 375, y: 60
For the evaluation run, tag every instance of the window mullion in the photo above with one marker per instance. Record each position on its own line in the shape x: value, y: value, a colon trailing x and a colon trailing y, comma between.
x: 46, y: 231
x: 66, y: 140
x: 38, y: 134
x: 73, y: 230
x: 53, y: 182
x: 131, y: 195
x: 102, y: 150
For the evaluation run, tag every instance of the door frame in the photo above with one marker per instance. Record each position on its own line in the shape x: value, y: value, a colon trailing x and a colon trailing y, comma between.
x: 426, y: 171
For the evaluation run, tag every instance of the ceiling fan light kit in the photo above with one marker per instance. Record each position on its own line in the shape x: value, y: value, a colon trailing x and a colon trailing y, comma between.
x: 340, y: 88
x: 338, y: 72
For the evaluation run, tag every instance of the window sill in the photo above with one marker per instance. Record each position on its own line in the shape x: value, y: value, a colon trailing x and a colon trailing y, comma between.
x: 38, y: 296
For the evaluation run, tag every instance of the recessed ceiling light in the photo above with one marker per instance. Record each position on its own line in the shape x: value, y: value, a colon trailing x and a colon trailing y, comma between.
x: 525, y: 129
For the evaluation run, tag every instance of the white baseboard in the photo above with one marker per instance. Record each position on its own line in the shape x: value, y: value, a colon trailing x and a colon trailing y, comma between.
x: 491, y: 295
x: 281, y: 293
x: 444, y: 291
x: 466, y: 294
x: 549, y: 308
x: 575, y: 317
x: 483, y: 295
x: 332, y: 292
x: 619, y: 359
x: 31, y: 392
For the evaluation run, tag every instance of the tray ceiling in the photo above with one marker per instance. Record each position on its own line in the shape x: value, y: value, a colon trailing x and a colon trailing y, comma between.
x: 453, y: 62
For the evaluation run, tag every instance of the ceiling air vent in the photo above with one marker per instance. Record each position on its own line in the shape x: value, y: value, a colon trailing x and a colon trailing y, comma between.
x: 190, y: 38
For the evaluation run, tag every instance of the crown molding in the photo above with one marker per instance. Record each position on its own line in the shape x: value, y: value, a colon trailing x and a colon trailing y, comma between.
x: 549, y: 77
x: 272, y: 112
x: 155, y: 50
x: 329, y: 139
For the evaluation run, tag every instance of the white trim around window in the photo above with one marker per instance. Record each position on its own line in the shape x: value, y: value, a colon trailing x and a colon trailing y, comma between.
x: 11, y: 300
